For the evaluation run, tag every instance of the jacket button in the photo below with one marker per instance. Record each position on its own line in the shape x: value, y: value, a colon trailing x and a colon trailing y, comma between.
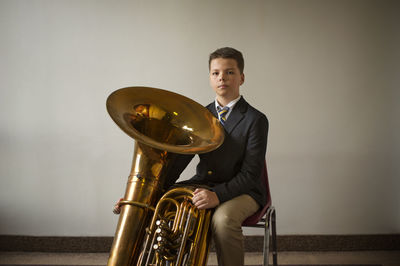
x: 209, y: 172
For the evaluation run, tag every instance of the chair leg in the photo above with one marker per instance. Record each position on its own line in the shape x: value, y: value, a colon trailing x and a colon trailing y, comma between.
x: 266, y: 240
x: 274, y: 240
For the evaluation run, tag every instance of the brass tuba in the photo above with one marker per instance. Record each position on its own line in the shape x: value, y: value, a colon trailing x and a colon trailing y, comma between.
x: 163, y: 124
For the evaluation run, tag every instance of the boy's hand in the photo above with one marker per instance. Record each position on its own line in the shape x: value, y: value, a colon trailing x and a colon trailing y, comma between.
x: 205, y: 199
x: 117, y: 207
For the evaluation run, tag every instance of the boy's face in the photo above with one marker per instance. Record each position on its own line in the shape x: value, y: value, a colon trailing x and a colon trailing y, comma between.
x: 225, y: 79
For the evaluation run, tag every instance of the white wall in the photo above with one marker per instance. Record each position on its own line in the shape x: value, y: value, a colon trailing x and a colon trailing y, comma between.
x: 324, y: 72
x: 332, y: 138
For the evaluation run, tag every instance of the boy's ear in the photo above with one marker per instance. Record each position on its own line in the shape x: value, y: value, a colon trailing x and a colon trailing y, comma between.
x: 242, y: 78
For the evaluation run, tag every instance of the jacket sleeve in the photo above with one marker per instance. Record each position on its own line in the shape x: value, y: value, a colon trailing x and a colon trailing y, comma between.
x: 176, y: 169
x: 247, y: 180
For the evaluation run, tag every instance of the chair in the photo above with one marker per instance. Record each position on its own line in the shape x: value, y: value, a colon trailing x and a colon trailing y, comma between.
x: 265, y: 218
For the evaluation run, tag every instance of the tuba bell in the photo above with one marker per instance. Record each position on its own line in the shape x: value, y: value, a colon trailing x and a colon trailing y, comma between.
x: 157, y: 229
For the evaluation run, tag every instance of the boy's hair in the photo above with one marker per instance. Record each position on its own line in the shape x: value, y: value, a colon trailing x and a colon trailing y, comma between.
x: 228, y: 52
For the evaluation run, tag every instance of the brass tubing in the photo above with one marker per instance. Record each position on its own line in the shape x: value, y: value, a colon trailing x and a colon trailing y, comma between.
x: 195, y: 246
x: 135, y: 203
x: 148, y: 249
x: 143, y: 188
x: 184, y: 240
x: 203, y: 240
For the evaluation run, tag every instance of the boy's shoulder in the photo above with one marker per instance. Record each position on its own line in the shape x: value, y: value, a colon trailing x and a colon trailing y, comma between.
x: 256, y: 112
x: 248, y: 108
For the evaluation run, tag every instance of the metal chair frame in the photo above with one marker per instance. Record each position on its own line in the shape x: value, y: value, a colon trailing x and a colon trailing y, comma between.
x: 266, y: 218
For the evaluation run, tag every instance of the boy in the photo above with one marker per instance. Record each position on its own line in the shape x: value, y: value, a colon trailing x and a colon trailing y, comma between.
x: 233, y: 171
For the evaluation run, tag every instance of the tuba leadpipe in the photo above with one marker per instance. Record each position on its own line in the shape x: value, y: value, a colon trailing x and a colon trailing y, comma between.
x: 162, y: 124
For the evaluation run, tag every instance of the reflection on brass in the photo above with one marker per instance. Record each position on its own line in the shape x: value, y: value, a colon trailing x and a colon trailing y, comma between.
x: 163, y: 124
x: 178, y: 233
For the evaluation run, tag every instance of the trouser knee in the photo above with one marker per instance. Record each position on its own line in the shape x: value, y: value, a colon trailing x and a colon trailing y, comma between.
x: 223, y: 224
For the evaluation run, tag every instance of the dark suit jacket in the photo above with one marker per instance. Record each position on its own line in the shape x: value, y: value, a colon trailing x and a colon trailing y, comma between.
x: 235, y: 167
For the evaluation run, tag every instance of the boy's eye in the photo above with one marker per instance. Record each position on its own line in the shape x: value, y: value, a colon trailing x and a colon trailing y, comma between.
x: 215, y: 73
x: 230, y: 72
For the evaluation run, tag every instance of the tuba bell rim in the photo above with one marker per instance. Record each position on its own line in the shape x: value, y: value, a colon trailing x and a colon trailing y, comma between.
x: 204, y: 131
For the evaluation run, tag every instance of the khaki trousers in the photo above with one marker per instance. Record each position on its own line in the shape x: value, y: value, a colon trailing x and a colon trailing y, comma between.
x: 227, y: 229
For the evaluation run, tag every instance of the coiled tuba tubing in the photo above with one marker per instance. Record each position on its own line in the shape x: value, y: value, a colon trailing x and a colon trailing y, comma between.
x: 178, y: 233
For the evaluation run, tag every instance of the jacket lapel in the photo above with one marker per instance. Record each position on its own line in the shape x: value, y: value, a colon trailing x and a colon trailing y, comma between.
x: 235, y: 116
x: 212, y: 109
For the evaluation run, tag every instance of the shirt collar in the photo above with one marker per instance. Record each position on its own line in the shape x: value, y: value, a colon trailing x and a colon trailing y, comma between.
x: 230, y: 104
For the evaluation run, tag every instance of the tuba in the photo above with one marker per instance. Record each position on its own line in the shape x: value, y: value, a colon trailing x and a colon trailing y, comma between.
x: 157, y: 228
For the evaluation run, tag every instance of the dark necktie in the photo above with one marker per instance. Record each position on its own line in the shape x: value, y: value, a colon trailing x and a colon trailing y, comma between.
x: 222, y: 114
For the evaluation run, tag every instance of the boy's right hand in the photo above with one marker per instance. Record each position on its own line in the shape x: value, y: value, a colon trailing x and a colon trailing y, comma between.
x: 117, y: 207
x: 205, y: 199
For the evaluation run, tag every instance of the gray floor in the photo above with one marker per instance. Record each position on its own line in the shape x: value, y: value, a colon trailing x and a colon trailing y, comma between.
x: 385, y: 258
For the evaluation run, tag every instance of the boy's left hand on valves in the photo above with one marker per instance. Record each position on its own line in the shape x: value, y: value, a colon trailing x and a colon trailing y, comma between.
x: 205, y: 199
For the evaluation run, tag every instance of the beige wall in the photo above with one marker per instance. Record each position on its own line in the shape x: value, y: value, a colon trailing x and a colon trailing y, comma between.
x: 324, y: 72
